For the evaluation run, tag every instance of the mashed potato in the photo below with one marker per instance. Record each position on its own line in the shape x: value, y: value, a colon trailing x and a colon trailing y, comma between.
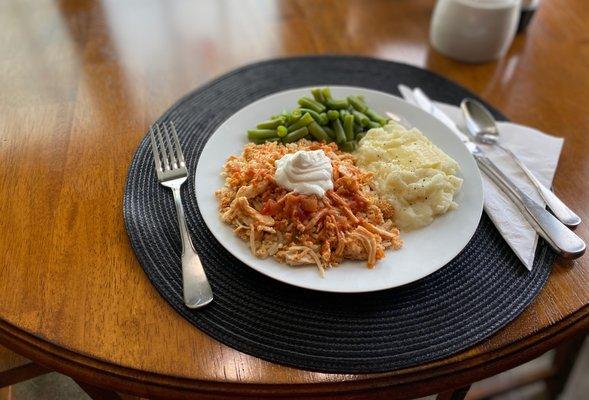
x: 415, y: 176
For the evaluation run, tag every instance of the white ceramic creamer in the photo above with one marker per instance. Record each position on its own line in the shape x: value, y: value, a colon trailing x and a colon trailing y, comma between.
x: 474, y: 30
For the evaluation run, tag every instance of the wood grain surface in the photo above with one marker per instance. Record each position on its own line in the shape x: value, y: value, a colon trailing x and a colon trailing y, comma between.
x: 80, y: 82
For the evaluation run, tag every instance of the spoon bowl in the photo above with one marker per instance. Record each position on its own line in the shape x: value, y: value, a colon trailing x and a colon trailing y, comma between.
x: 479, y: 122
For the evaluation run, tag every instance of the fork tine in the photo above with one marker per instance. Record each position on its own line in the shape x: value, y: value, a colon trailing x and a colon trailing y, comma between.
x: 173, y: 161
x: 177, y: 143
x: 156, y: 155
x: 162, y: 146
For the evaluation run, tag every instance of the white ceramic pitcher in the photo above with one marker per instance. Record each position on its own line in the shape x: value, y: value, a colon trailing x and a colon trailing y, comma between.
x: 474, y: 30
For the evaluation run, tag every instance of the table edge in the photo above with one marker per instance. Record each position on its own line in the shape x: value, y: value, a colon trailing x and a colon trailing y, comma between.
x: 405, y: 383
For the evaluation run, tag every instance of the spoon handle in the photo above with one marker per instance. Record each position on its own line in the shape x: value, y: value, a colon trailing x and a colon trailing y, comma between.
x: 560, y: 210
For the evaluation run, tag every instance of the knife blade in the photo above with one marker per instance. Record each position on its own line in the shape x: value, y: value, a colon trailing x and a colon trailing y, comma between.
x: 428, y: 106
x: 407, y: 94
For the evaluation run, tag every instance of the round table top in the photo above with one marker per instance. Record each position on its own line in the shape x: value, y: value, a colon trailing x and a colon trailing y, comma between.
x: 82, y: 81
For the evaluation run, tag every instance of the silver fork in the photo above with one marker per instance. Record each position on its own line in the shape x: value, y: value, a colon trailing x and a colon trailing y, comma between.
x: 166, y: 150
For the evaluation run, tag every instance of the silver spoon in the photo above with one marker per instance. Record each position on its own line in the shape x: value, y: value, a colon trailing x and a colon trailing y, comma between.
x: 481, y: 125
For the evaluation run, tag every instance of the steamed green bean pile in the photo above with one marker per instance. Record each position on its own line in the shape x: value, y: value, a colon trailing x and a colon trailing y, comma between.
x: 321, y: 118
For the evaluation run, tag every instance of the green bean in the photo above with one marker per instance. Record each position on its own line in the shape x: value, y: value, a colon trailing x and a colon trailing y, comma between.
x: 281, y: 131
x: 318, y: 132
x: 337, y: 104
x: 284, y: 113
x: 361, y: 118
x: 261, y: 134
x: 373, y: 124
x: 272, y: 123
x: 305, y: 120
x: 317, y: 95
x: 348, y: 146
x: 323, y: 118
x: 376, y: 117
x: 357, y: 103
x: 294, y: 116
x: 316, y: 116
x: 296, y: 135
x: 330, y: 132
x: 349, y: 127
x: 340, y: 135
x: 311, y: 112
x: 332, y: 115
x: 312, y: 104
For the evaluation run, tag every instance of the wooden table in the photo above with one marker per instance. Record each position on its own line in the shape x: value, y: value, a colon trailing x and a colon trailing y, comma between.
x: 80, y: 83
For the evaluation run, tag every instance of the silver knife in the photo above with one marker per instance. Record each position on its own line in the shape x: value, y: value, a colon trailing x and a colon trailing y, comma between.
x: 407, y: 94
x: 564, y: 241
x: 428, y: 106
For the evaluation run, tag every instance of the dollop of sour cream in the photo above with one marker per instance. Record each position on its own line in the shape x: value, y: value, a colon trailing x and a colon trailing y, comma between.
x: 305, y: 172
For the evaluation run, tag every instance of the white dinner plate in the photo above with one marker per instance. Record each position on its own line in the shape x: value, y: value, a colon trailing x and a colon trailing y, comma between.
x: 424, y: 251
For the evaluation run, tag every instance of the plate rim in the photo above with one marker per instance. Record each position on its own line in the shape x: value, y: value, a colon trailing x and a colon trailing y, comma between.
x: 264, y: 271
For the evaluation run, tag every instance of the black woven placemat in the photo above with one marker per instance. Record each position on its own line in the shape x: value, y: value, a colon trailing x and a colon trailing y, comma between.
x: 476, y: 294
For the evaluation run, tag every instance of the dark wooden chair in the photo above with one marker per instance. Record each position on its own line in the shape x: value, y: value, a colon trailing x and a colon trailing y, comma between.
x: 15, y: 369
x: 555, y: 376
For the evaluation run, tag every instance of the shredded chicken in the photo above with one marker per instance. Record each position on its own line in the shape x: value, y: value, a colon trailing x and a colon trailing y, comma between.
x: 349, y: 222
x: 240, y: 207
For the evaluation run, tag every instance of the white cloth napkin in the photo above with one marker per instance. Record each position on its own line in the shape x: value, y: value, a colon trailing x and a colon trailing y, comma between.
x: 540, y: 153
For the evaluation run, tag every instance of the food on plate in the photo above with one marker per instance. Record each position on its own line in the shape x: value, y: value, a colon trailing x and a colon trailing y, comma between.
x: 321, y: 118
x: 410, y: 172
x: 305, y: 202
x: 333, y: 180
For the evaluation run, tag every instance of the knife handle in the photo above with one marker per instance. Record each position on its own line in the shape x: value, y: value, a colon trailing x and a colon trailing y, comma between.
x: 564, y: 241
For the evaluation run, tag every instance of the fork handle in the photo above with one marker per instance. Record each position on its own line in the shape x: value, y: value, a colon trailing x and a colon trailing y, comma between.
x: 197, y: 290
